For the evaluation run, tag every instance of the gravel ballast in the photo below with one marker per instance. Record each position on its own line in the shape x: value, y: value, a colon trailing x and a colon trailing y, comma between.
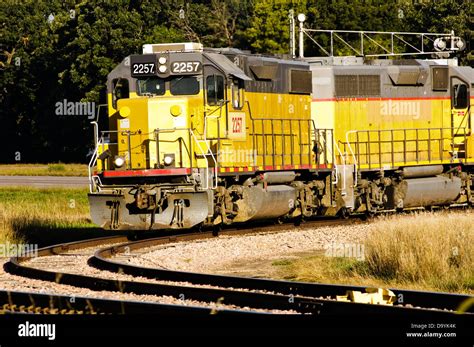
x: 214, y: 255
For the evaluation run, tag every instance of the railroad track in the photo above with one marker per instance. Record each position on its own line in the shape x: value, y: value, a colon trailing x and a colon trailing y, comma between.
x: 50, y: 304
x: 228, y: 293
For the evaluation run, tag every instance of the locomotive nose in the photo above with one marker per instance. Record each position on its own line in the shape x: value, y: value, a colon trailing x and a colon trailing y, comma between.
x: 168, y: 121
x: 151, y: 131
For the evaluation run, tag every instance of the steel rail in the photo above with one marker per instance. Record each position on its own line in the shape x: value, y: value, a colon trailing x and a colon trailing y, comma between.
x: 254, y: 300
x: 272, y: 294
x: 13, y: 302
x: 102, y: 260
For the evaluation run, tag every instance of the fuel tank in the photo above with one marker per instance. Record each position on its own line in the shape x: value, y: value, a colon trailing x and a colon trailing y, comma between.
x: 427, y: 191
x: 422, y: 171
x: 265, y: 203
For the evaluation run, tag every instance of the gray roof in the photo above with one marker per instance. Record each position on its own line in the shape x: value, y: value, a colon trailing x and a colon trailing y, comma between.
x: 225, y: 64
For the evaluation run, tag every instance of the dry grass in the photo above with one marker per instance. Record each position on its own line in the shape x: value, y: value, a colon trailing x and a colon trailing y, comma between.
x: 432, y: 248
x: 43, y: 169
x: 425, y: 251
x: 27, y: 211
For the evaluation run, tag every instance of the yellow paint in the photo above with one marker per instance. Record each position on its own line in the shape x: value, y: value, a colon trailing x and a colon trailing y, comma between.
x: 124, y: 111
x: 382, y: 139
x: 185, y: 122
x: 270, y: 113
x: 175, y: 110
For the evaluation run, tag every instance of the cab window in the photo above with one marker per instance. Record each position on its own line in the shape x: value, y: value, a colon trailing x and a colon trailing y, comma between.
x: 237, y: 94
x: 120, y: 90
x: 460, y: 96
x: 184, y: 86
x: 214, y: 89
x: 151, y: 86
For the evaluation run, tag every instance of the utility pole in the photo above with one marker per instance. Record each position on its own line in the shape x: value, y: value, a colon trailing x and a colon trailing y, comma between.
x: 291, y: 17
x: 301, y: 19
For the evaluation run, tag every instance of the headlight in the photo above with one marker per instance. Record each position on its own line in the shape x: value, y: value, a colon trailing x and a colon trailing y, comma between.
x: 162, y: 68
x: 119, y: 161
x: 168, y: 159
x: 162, y: 60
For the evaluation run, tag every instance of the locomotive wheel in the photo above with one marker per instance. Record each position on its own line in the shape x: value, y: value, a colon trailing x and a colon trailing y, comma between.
x: 132, y: 235
x: 199, y: 228
x: 369, y: 215
x: 216, y: 229
x: 298, y: 221
x: 344, y: 213
x: 366, y: 216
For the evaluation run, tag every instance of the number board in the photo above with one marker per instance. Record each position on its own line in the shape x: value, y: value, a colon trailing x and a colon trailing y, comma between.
x: 186, y: 67
x: 143, y: 69
x: 237, y: 126
x: 143, y: 65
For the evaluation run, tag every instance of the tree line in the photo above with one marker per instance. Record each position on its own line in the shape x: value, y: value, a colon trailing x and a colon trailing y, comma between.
x: 54, y: 51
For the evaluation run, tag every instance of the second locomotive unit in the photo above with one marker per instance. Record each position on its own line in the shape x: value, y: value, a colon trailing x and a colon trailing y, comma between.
x: 217, y: 136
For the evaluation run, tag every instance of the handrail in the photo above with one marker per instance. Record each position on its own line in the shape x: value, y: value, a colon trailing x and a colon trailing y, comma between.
x: 343, y: 160
x: 423, y: 138
x: 353, y: 155
x: 279, y: 122
x: 206, y: 117
x: 194, y: 137
x: 317, y: 136
x: 93, y: 186
x: 468, y: 109
x: 94, y: 156
x: 92, y: 164
x: 206, y: 187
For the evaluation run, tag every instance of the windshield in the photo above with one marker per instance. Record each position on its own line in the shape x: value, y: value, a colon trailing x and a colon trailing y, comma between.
x: 151, y: 85
x: 180, y: 85
x: 184, y: 85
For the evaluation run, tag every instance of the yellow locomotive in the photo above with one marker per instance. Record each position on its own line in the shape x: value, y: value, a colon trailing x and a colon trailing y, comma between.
x: 403, y: 129
x: 203, y: 137
x: 219, y: 136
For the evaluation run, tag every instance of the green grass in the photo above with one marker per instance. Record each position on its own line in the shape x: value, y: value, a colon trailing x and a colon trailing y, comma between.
x: 57, y: 169
x: 43, y: 215
x: 427, y: 251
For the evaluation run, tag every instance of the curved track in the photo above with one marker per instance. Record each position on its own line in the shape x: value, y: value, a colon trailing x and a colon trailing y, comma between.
x: 36, y: 303
x: 235, y: 293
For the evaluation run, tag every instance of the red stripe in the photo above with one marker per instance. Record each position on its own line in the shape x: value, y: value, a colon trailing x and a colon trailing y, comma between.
x: 153, y: 172
x: 383, y: 99
x: 187, y: 171
x: 273, y: 168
